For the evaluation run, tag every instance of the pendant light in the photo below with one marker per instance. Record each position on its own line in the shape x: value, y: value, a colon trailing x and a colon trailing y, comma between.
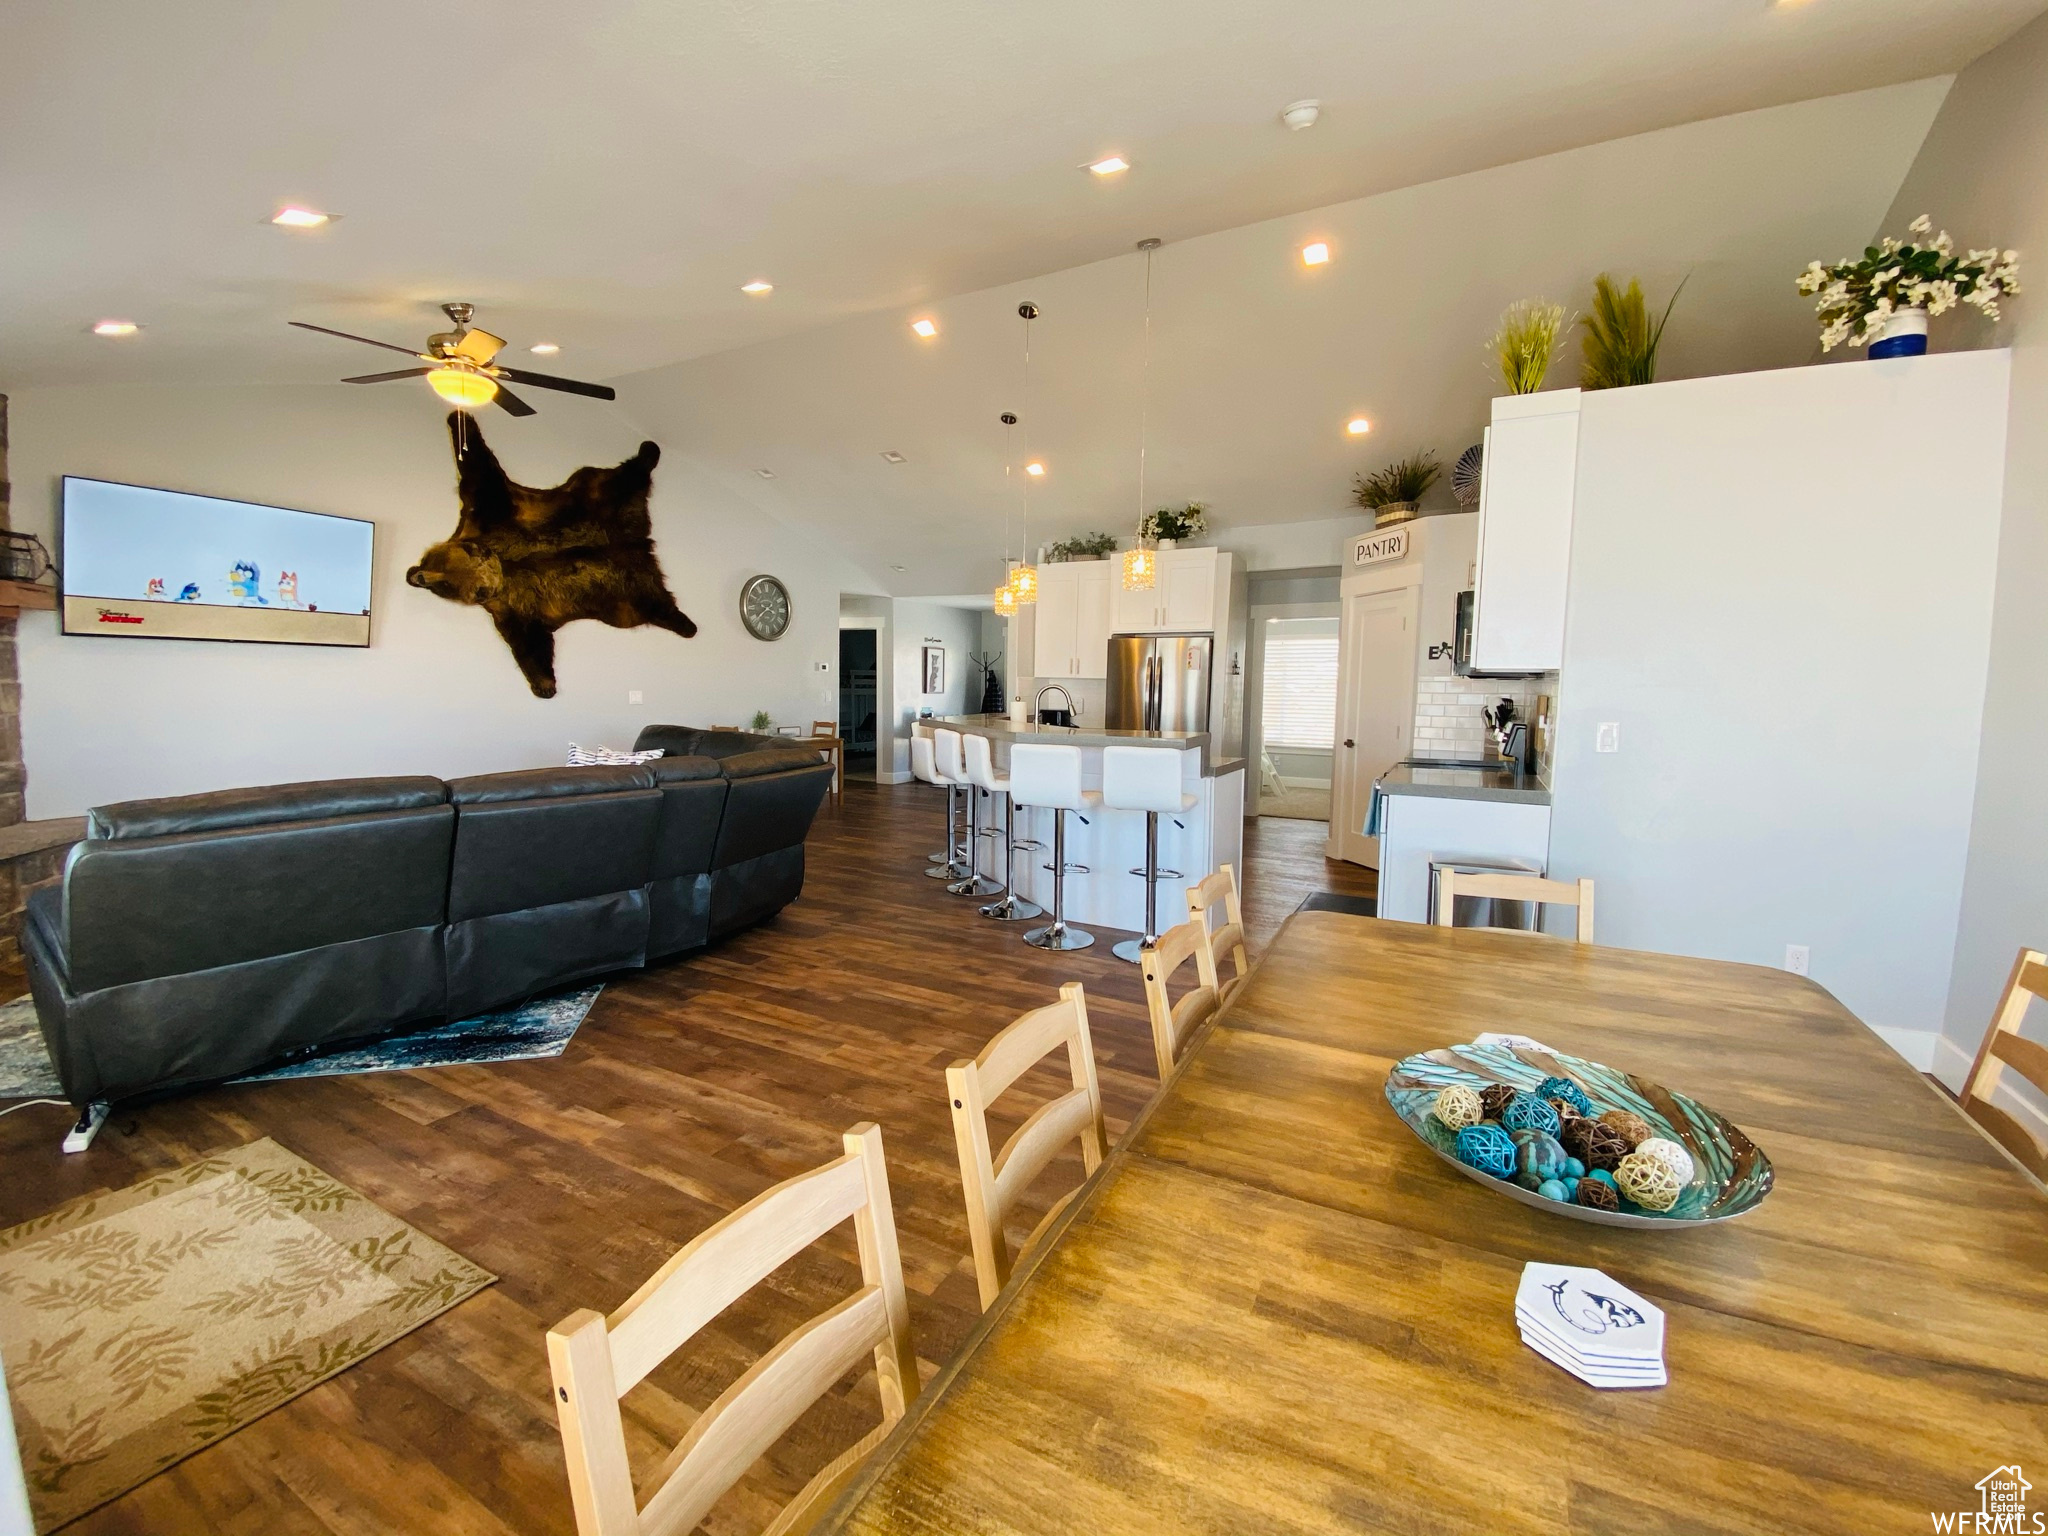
x: 1006, y: 596
x: 1141, y: 560
x: 1024, y: 575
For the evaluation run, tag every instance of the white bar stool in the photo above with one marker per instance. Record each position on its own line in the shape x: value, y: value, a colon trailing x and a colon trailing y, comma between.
x: 1051, y: 776
x: 924, y: 765
x: 948, y: 760
x: 981, y: 772
x: 1145, y: 779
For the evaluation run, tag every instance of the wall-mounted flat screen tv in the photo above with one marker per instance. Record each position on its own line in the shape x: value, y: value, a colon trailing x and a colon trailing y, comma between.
x: 142, y: 561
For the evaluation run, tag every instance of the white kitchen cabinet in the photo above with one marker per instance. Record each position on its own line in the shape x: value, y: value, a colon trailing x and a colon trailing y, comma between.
x: 1181, y: 598
x: 1525, y: 532
x: 1070, y: 622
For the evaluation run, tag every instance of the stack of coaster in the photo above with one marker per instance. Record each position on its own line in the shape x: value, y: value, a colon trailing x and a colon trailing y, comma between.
x: 1593, y: 1326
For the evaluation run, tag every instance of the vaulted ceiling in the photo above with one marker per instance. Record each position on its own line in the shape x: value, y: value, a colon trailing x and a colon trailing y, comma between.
x: 605, y: 174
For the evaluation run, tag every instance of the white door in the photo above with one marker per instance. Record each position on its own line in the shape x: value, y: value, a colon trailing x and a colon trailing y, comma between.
x: 1375, y: 710
x: 1091, y: 618
x: 1187, y: 589
x: 1059, y: 609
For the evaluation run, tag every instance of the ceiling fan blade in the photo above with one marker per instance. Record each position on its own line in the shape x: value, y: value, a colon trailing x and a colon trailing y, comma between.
x: 549, y: 381
x: 479, y: 346
x: 511, y: 403
x: 344, y: 335
x: 379, y: 378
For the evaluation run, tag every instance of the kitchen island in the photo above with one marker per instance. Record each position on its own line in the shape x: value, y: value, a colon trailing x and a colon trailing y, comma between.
x: 1112, y: 843
x: 1427, y: 812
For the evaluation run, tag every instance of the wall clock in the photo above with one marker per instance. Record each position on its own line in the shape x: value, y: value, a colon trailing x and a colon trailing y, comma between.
x: 764, y: 608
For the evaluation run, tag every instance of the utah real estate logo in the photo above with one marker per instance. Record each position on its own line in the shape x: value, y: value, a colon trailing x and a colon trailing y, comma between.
x: 2003, y: 1492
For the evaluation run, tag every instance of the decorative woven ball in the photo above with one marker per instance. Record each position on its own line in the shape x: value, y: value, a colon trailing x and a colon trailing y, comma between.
x: 1596, y: 1196
x: 1526, y: 1112
x: 1538, y: 1158
x: 1489, y: 1149
x: 1669, y: 1153
x: 1564, y: 1110
x: 1648, y: 1180
x: 1564, y: 1088
x: 1458, y: 1106
x: 1494, y: 1098
x: 1633, y: 1128
x: 1593, y: 1142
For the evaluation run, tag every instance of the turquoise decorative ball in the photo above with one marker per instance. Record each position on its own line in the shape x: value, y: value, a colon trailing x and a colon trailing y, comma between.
x: 1487, y: 1148
x: 1526, y: 1112
x: 1551, y: 1189
x: 1603, y: 1176
x: 1571, y: 1185
x: 1564, y: 1088
x: 1538, y: 1157
x: 1574, y: 1169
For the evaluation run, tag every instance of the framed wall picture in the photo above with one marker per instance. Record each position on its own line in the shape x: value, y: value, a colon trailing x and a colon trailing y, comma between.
x: 935, y: 669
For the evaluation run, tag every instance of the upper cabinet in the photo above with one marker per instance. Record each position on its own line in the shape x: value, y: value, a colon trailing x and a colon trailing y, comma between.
x: 1525, y: 532
x: 1070, y: 621
x: 1183, y: 597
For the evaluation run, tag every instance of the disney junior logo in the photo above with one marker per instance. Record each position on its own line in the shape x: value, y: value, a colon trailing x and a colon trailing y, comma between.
x: 2003, y: 1508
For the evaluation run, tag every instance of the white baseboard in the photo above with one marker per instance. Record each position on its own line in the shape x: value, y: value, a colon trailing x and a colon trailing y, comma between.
x: 1916, y: 1045
x: 1952, y: 1065
x: 892, y: 778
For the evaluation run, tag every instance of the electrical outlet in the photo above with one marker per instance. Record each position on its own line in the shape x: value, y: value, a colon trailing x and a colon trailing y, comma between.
x: 1796, y: 960
x: 1608, y: 737
x: 633, y: 696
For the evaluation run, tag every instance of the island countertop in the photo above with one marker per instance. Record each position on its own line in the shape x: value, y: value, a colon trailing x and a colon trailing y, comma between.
x: 1003, y: 728
x: 1461, y: 782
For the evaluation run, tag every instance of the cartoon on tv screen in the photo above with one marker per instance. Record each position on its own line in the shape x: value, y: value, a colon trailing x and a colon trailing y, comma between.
x: 132, y: 543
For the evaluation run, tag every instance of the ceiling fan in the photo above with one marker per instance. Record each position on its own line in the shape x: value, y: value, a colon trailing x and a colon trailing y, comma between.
x: 459, y: 367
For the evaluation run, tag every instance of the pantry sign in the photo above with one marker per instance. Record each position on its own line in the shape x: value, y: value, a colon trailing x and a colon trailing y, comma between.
x: 1378, y: 548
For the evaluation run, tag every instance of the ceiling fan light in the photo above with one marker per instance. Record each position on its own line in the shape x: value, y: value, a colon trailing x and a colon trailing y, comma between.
x: 462, y: 388
x: 1141, y: 569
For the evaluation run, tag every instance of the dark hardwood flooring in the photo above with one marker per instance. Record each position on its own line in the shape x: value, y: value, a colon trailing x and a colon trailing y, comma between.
x: 688, y: 1090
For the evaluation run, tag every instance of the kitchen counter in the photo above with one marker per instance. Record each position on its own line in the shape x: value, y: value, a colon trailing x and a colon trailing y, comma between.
x: 1426, y: 813
x: 1003, y: 728
x: 1463, y: 783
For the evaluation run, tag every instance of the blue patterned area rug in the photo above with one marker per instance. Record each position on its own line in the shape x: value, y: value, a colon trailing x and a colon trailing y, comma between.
x: 542, y: 1027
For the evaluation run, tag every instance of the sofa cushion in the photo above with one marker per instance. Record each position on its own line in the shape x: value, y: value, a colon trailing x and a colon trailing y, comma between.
x: 45, y: 914
x: 227, y: 808
x: 547, y: 784
x: 682, y: 770
x: 751, y: 765
x: 694, y: 741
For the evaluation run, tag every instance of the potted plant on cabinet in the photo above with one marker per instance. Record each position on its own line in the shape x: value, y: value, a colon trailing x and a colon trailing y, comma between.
x: 1620, y: 344
x: 1167, y: 527
x: 1085, y: 546
x: 1394, y: 494
x: 1882, y: 300
x: 1525, y: 343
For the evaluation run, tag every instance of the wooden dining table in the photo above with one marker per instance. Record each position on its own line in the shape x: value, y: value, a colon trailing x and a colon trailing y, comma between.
x: 1274, y: 1309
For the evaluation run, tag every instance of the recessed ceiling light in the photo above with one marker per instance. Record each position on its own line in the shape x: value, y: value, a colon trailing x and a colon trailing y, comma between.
x: 893, y: 456
x: 1358, y: 426
x: 1301, y: 114
x: 1315, y: 253
x: 895, y: 567
x: 301, y: 218
x: 544, y: 349
x: 1110, y: 166
x: 757, y: 287
x: 765, y: 474
x: 116, y: 328
x: 1034, y: 468
x: 925, y: 328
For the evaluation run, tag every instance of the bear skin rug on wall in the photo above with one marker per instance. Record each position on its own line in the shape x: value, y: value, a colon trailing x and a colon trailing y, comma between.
x: 535, y: 560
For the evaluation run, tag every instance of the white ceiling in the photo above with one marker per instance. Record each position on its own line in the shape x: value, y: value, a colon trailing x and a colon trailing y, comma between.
x: 1258, y: 362
x: 605, y: 173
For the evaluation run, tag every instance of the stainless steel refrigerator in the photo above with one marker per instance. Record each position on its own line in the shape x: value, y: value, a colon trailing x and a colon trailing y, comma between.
x: 1159, y: 682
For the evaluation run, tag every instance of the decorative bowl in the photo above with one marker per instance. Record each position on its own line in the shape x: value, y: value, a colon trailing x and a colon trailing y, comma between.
x: 1731, y: 1175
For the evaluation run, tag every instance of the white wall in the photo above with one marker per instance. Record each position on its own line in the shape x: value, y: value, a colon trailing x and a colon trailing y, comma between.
x: 1983, y: 174
x: 957, y: 631
x: 436, y: 691
x: 1781, y: 591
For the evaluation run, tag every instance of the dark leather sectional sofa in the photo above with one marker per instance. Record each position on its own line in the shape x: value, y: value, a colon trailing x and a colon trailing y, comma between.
x: 197, y: 938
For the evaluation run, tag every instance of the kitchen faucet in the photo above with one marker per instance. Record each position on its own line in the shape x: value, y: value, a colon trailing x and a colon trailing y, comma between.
x: 1073, y: 709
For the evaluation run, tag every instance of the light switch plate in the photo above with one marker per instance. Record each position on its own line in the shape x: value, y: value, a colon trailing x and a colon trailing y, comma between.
x: 1607, y: 738
x: 633, y: 696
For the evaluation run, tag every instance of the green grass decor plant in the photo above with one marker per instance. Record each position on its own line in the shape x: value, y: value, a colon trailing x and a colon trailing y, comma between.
x: 1619, y: 347
x: 1526, y: 342
x: 1402, y: 482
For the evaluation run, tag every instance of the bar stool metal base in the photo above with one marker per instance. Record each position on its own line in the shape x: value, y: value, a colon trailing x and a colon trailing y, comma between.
x: 1059, y: 936
x: 1012, y: 909
x: 979, y: 885
x: 1132, y: 950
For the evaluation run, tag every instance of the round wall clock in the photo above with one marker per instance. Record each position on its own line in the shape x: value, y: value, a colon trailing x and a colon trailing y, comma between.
x: 764, y: 608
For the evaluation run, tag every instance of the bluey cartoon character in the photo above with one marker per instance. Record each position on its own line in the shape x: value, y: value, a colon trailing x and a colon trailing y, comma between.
x: 242, y: 585
x: 288, y: 589
x: 155, y: 590
x: 189, y: 593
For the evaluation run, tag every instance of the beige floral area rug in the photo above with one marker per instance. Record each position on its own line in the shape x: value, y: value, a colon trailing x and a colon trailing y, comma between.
x: 141, y: 1326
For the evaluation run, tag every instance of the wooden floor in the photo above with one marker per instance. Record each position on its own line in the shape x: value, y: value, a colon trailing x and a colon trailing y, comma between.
x: 688, y: 1090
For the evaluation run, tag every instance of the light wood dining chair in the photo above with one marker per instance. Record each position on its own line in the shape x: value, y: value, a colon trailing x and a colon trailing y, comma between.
x: 597, y: 1359
x: 824, y: 727
x: 1220, y: 889
x: 1451, y: 884
x: 2004, y: 1046
x: 993, y: 1183
x: 1173, y: 1022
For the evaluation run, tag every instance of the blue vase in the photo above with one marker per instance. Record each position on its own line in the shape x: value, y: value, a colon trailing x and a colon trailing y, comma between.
x: 1903, y: 335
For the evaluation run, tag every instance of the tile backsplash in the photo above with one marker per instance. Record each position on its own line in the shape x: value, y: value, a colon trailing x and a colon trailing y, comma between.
x: 1447, y: 722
